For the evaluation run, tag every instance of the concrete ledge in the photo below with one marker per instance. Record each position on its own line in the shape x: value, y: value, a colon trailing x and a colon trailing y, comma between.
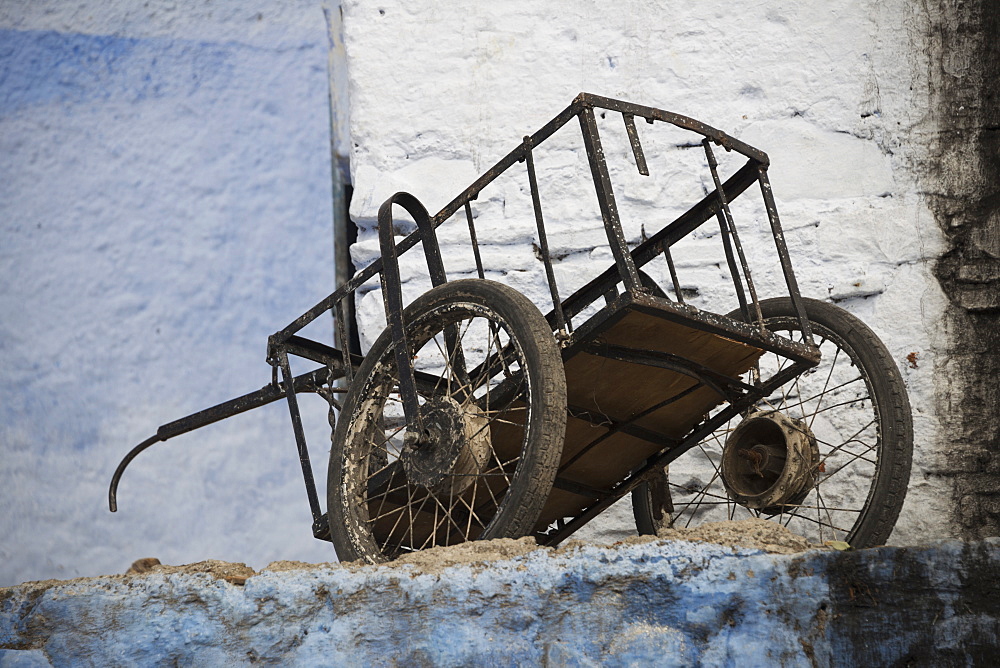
x: 666, y: 602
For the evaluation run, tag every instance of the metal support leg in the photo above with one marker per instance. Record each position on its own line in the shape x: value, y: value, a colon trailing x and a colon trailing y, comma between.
x: 543, y: 242
x: 786, y: 262
x: 300, y: 436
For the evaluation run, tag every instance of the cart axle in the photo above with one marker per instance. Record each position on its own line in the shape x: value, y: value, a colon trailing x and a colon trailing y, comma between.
x: 770, y: 462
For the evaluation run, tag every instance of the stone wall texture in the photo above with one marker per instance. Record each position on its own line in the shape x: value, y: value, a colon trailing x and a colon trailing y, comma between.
x: 962, y: 182
x: 665, y: 604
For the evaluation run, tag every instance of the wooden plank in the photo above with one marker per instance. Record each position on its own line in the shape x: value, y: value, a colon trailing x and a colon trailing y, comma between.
x: 623, y: 390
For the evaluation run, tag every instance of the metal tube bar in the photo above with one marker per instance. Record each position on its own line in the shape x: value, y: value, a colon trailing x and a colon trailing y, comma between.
x: 669, y: 455
x: 683, y: 225
x: 651, y: 113
x: 726, y: 220
x: 616, y: 427
x: 432, y: 252
x: 673, y: 272
x: 475, y: 241
x: 341, y: 318
x: 625, y: 427
x: 786, y: 262
x: 392, y: 297
x: 307, y: 382
x: 606, y: 199
x: 300, y: 436
x: 633, y: 139
x: 718, y: 382
x: 504, y: 163
x: 734, y: 271
x: 670, y: 267
x: 542, y: 239
x: 122, y: 465
x: 627, y: 485
x: 579, y: 489
x: 435, y: 267
x: 582, y: 101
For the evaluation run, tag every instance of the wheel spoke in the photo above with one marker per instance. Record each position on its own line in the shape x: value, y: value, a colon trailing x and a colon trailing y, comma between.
x: 701, y: 495
x: 821, y: 394
x: 833, y: 365
x: 843, y: 445
x: 393, y: 530
x: 812, y: 521
x: 854, y: 458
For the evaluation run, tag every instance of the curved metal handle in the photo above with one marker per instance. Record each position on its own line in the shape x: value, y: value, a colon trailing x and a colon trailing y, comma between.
x: 392, y: 293
x: 307, y: 382
x: 113, y: 492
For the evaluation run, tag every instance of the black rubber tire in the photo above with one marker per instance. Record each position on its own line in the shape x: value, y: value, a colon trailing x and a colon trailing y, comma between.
x: 534, y: 367
x: 652, y: 505
x: 889, y: 455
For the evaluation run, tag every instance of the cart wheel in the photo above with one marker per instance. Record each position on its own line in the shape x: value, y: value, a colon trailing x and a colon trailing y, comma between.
x: 855, y: 406
x: 496, y: 402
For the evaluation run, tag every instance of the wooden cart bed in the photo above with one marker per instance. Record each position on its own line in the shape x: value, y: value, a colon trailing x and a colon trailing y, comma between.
x: 603, y: 392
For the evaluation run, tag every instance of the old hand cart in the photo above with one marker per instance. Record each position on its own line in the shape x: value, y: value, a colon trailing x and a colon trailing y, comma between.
x: 475, y: 416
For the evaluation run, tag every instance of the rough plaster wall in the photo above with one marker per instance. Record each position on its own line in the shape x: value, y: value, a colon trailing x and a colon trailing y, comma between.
x: 836, y: 93
x: 961, y: 176
x: 667, y: 604
x: 164, y: 207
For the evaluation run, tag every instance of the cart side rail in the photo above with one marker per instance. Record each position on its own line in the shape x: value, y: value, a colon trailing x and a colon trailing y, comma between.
x: 582, y: 103
x: 624, y: 272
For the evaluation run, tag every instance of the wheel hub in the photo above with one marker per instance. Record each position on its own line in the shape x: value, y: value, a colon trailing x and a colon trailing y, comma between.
x: 452, y: 450
x: 770, y: 462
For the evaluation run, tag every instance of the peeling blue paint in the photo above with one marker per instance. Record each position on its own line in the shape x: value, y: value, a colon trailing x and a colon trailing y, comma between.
x: 668, y: 603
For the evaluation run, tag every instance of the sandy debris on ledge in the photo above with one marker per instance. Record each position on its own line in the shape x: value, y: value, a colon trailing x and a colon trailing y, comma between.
x: 235, y: 573
x: 283, y: 566
x: 232, y: 572
x: 473, y: 552
x: 753, y: 533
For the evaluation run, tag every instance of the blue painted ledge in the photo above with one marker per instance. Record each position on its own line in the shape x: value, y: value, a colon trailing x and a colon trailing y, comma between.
x: 663, y: 603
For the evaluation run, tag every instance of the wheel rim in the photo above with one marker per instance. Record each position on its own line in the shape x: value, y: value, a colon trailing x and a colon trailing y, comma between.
x: 483, y: 397
x: 836, y: 401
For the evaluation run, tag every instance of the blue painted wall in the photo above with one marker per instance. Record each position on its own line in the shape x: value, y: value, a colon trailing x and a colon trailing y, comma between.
x: 165, y: 205
x: 653, y: 604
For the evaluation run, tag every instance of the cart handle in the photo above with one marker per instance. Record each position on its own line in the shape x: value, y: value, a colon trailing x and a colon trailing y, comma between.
x: 307, y: 382
x: 392, y: 292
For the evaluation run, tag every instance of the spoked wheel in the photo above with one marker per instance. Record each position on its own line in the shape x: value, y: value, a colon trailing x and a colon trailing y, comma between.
x: 827, y: 455
x: 493, y: 404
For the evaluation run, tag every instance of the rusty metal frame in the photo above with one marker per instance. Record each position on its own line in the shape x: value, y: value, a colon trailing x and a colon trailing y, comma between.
x: 619, y: 286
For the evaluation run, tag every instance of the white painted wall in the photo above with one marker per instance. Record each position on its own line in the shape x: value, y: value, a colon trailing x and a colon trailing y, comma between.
x: 834, y: 92
x: 164, y: 206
